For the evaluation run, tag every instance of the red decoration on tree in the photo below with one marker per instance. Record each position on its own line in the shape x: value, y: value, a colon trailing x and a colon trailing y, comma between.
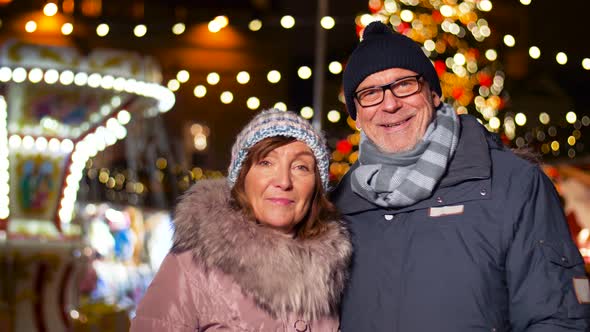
x: 473, y: 53
x: 437, y: 17
x: 343, y: 146
x: 457, y: 92
x: 501, y: 104
x: 359, y: 29
x: 485, y: 79
x: 375, y: 6
x: 403, y: 27
x: 332, y: 177
x: 440, y: 67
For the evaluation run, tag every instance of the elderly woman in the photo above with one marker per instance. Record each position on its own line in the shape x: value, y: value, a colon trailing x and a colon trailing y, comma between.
x: 261, y: 251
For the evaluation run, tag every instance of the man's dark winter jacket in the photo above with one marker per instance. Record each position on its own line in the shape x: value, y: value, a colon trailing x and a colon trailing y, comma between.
x: 489, y: 251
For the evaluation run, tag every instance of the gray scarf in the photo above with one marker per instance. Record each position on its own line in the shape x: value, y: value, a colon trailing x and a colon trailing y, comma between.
x: 402, y: 179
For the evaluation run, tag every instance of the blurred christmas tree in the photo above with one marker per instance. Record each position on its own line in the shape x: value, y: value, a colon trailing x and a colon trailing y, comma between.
x: 453, y: 35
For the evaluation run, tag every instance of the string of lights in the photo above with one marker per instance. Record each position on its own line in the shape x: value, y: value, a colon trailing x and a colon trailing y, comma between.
x: 455, y: 20
x: 327, y: 22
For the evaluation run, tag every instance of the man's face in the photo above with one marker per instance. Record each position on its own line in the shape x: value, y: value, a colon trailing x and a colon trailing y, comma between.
x: 396, y: 124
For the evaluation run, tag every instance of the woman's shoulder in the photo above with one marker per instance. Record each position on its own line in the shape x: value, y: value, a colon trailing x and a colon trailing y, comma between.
x: 206, y: 278
x: 200, y: 209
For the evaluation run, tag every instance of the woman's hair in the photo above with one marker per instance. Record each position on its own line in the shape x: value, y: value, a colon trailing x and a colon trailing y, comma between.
x: 321, y: 209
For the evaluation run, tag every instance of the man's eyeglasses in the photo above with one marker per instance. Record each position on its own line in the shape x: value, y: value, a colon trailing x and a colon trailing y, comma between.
x: 401, y: 88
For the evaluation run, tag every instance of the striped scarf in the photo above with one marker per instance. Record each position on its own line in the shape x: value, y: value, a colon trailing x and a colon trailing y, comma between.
x: 402, y: 179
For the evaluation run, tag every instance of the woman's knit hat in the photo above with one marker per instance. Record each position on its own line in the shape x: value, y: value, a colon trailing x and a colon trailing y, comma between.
x: 271, y: 123
x: 381, y: 49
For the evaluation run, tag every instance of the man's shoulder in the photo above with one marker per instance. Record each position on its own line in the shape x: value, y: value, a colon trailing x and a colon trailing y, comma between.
x: 345, y: 199
x: 471, y: 123
x: 340, y: 192
x: 499, y: 151
x: 510, y: 165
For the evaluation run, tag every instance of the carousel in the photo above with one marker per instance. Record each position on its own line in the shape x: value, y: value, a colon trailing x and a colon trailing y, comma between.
x: 58, y: 109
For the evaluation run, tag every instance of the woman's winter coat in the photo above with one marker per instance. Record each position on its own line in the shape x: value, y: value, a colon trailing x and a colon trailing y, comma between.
x: 228, y: 273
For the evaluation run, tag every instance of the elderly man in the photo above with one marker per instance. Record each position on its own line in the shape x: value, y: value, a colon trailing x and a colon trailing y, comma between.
x: 451, y: 230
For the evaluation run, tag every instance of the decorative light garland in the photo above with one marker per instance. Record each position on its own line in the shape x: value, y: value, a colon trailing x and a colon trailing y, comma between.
x: 328, y: 22
x: 48, y: 140
x: 163, y: 95
x: 101, y: 138
x: 4, y: 162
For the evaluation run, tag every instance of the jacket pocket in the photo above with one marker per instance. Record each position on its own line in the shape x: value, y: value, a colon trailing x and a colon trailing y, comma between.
x: 561, y: 254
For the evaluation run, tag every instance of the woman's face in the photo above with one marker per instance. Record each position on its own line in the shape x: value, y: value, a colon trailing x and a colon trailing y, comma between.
x: 280, y: 186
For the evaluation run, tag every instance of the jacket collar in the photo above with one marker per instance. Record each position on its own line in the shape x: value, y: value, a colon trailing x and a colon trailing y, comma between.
x: 283, y: 275
x: 470, y: 162
x: 472, y: 158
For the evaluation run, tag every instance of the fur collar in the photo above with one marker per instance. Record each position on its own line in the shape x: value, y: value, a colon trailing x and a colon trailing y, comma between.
x: 283, y: 275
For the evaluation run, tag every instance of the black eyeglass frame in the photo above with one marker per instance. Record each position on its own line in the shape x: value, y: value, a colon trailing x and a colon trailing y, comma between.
x: 388, y: 86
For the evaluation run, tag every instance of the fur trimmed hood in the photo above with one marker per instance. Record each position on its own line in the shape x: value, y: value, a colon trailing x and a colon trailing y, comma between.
x: 283, y: 275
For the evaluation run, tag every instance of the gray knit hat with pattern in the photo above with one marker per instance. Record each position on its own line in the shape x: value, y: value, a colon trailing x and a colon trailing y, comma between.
x: 380, y: 49
x: 271, y: 123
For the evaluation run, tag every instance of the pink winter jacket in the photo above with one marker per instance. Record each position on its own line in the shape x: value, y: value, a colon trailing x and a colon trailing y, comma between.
x: 225, y: 273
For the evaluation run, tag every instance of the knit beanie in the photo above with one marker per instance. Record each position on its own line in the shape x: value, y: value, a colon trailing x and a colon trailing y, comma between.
x: 381, y: 48
x: 271, y: 123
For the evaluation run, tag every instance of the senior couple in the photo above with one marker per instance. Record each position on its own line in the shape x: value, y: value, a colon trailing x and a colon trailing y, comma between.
x: 436, y: 227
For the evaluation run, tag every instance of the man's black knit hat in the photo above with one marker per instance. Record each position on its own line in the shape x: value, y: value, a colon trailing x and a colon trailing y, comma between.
x: 380, y: 49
